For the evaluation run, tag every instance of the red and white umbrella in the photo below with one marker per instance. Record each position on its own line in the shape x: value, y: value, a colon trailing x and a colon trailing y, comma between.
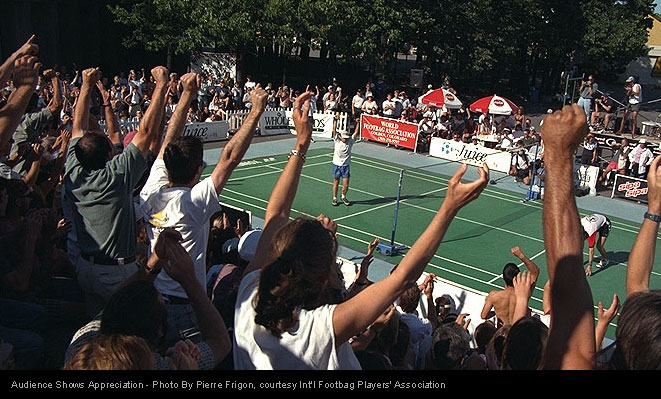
x: 440, y: 97
x: 494, y: 105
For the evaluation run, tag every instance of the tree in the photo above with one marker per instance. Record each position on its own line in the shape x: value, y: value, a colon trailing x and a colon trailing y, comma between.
x: 173, y: 26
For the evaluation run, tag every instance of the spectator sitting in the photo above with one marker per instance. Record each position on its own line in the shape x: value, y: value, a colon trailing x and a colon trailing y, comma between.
x: 450, y: 345
x: 114, y: 352
x: 137, y: 309
x: 477, y: 360
x: 525, y: 345
x: 520, y: 165
x: 420, y: 327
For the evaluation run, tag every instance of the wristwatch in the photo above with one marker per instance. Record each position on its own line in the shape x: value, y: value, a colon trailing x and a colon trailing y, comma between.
x: 652, y: 217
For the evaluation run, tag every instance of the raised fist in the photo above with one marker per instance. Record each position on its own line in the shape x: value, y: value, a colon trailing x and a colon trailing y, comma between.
x: 563, y: 131
x: 258, y: 98
x: 191, y: 82
x: 91, y: 76
x: 160, y: 74
x: 50, y: 74
x: 26, y: 71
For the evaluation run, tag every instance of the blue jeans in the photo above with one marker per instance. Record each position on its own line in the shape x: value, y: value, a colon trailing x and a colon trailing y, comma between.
x: 585, y: 103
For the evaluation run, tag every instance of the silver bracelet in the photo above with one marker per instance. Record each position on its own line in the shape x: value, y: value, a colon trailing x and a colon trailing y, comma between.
x: 296, y: 153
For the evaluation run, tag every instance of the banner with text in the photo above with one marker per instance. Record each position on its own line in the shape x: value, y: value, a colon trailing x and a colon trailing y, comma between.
x: 470, y: 154
x: 279, y: 121
x: 207, y: 131
x: 389, y: 131
x: 630, y: 188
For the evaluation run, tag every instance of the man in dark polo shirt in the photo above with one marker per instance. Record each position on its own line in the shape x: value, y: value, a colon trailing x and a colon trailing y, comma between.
x: 98, y: 191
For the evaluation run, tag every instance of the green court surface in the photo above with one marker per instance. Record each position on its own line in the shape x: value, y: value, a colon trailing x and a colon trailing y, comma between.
x: 477, y: 244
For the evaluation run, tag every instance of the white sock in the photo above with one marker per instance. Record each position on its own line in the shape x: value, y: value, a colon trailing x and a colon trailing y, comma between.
x: 335, y: 198
x: 343, y: 196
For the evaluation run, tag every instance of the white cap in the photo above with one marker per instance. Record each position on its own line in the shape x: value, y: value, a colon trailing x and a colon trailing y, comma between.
x: 248, y: 244
x: 642, y: 141
x: 629, y: 79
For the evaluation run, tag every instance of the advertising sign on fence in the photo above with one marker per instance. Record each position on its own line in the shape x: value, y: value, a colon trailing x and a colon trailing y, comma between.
x: 389, y: 131
x: 207, y: 131
x: 630, y: 188
x: 470, y: 154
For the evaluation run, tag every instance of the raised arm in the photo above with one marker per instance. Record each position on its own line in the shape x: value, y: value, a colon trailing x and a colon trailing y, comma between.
x: 150, y: 123
x: 604, y: 317
x: 530, y: 265
x: 571, y: 338
x: 212, y: 326
x: 236, y: 148
x: 29, y: 48
x: 56, y: 102
x: 191, y: 83
x: 282, y: 196
x: 81, y: 115
x: 523, y: 286
x: 26, y: 73
x: 354, y: 315
x: 112, y: 125
x: 641, y: 258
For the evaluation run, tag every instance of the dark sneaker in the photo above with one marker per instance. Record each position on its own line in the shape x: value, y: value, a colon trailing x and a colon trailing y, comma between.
x: 334, y: 203
x: 346, y: 202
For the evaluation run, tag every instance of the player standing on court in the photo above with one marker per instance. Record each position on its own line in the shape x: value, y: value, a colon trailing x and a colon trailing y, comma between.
x: 341, y: 161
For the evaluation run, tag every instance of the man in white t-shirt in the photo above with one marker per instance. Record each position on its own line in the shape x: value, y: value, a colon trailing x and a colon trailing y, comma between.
x: 341, y: 162
x: 249, y: 85
x: 388, y: 106
x: 593, y: 224
x: 174, y: 196
x: 420, y: 327
x: 370, y: 107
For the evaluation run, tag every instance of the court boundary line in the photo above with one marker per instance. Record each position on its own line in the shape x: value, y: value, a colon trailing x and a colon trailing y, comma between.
x: 512, y: 196
x: 429, y: 263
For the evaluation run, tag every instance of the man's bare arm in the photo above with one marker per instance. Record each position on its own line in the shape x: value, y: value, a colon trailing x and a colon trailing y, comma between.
x: 641, y: 258
x: 7, y: 67
x: 236, y: 148
x: 150, y: 123
x: 529, y: 264
x: 56, y: 102
x: 81, y: 114
x: 571, y: 339
x: 191, y: 83
x: 112, y: 124
x: 26, y: 74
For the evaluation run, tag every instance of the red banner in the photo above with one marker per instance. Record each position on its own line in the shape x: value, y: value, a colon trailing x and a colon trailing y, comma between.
x: 389, y: 131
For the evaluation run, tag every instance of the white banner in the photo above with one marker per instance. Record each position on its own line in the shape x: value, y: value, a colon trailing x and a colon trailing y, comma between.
x: 207, y: 131
x: 279, y: 121
x: 275, y: 121
x: 470, y: 154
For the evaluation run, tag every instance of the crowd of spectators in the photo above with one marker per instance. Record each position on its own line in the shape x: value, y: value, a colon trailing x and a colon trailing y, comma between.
x: 115, y: 240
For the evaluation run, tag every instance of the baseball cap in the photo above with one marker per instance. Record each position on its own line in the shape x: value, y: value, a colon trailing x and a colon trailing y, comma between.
x: 248, y: 244
x: 345, y: 134
x: 629, y: 79
x: 642, y: 141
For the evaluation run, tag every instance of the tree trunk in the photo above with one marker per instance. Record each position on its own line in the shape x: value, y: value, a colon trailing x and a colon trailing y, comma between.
x: 168, y: 62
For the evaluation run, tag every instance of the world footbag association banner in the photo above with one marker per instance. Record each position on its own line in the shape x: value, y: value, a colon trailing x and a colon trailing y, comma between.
x: 630, y: 188
x: 470, y: 154
x: 389, y: 131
